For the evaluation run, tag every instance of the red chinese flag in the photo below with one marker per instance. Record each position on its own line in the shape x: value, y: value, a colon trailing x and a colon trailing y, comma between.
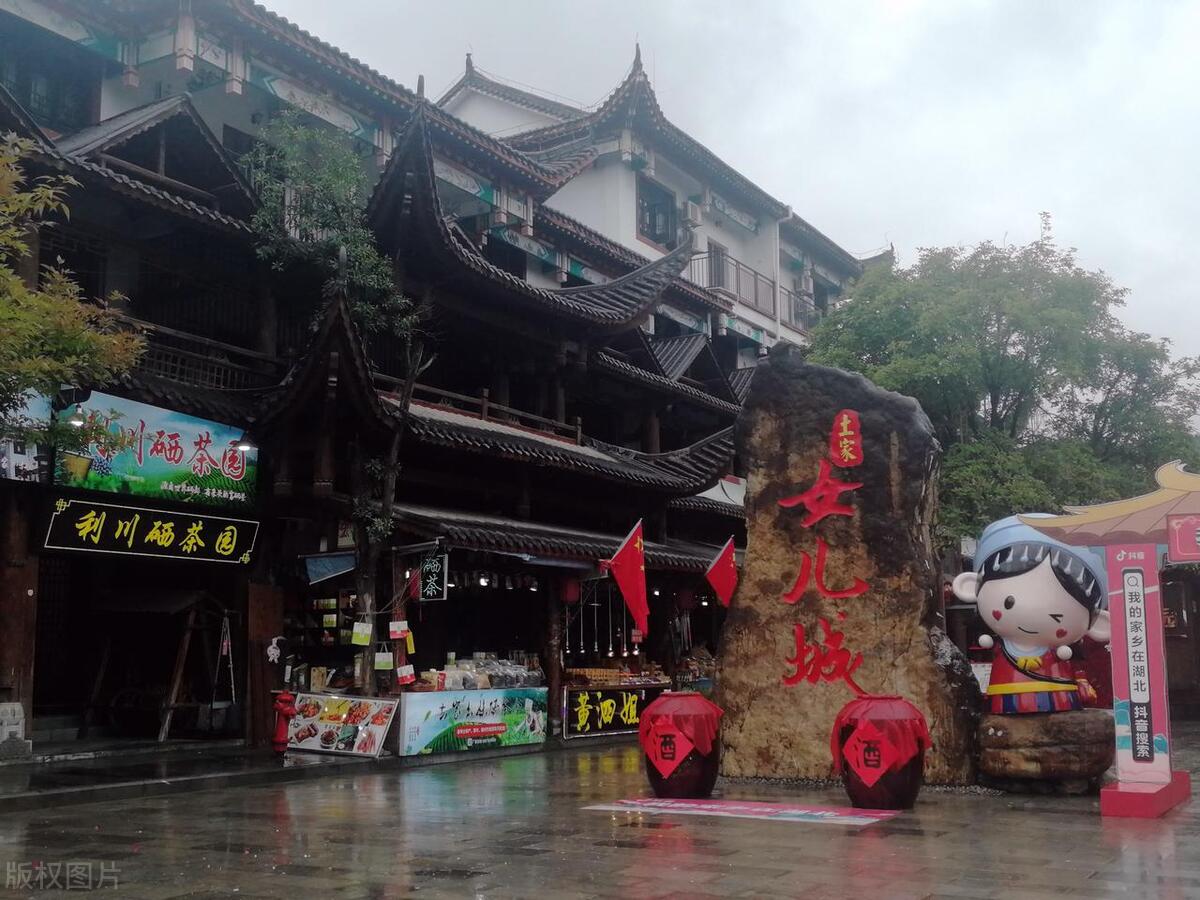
x: 628, y: 568
x: 722, y: 573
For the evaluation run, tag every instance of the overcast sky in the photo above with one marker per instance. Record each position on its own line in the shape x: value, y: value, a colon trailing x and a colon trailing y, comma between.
x: 907, y: 122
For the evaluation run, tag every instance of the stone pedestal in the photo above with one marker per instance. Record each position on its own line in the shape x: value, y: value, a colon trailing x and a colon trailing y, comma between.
x: 785, y: 438
x: 1064, y: 752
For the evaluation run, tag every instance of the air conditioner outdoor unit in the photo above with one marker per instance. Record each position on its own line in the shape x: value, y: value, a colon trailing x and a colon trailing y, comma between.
x: 692, y: 213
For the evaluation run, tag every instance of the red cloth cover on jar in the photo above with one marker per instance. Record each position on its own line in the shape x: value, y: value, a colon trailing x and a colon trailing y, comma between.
x: 694, y: 715
x: 897, y: 721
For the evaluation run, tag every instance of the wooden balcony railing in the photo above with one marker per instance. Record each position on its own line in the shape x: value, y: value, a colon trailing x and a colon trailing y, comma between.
x: 204, y: 362
x: 721, y: 272
x: 482, y: 407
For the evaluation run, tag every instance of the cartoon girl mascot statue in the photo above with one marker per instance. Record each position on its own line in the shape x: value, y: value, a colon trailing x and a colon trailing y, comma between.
x: 1038, y: 596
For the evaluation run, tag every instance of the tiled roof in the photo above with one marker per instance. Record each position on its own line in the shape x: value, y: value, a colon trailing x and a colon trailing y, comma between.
x: 122, y: 127
x: 14, y: 117
x: 114, y: 131
x: 676, y: 355
x: 609, y: 363
x: 634, y: 100
x: 683, y: 471
x: 739, y: 380
x: 226, y: 407
x: 474, y: 79
x: 336, y: 335
x: 708, y: 505
x: 519, y: 166
x: 567, y: 229
x: 808, y: 236
x: 140, y: 190
x: 406, y: 215
x: 471, y: 531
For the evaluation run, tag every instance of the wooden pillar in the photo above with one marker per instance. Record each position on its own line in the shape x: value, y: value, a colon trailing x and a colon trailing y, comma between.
x: 264, y: 620
x: 499, y: 391
x: 651, y: 433
x: 553, y: 653
x: 18, y: 600
x: 559, y: 398
x: 323, y: 468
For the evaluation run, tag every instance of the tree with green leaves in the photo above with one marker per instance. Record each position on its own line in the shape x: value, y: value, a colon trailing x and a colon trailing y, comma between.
x: 313, y: 186
x: 50, y: 335
x: 1038, y: 394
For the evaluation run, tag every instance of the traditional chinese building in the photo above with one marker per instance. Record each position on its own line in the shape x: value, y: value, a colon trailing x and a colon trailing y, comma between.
x: 634, y: 176
x: 578, y: 385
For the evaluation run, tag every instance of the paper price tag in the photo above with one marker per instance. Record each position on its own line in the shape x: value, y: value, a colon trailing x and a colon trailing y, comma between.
x: 362, y: 634
x: 397, y: 630
x: 383, y: 660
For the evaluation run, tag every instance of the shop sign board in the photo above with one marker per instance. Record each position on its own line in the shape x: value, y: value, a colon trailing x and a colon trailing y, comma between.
x: 160, y: 453
x: 456, y: 721
x: 743, y: 218
x: 435, y: 577
x: 89, y: 527
x: 591, y: 711
x: 349, y: 726
x: 1139, y: 665
x: 745, y: 329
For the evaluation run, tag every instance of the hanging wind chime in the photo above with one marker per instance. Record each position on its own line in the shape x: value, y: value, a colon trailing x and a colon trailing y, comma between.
x: 610, y: 631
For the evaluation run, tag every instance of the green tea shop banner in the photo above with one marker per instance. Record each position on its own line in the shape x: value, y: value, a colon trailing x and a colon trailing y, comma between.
x: 159, y: 453
x: 448, y: 721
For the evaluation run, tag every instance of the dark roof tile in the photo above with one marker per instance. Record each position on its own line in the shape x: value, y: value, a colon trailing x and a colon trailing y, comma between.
x: 471, y: 531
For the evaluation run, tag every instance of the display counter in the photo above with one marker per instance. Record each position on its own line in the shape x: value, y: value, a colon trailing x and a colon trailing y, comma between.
x: 464, y: 720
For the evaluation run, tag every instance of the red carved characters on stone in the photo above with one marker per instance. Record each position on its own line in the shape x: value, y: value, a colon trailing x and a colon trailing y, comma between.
x: 806, y: 572
x: 824, y: 659
x: 822, y: 499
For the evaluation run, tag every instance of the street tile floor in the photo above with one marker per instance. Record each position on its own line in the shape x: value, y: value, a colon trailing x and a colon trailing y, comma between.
x: 515, y: 828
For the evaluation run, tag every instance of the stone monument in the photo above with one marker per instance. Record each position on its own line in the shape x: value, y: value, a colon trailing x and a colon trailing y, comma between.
x: 839, y: 591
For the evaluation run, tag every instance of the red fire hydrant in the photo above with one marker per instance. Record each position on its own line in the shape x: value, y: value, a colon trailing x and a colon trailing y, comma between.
x: 285, y: 708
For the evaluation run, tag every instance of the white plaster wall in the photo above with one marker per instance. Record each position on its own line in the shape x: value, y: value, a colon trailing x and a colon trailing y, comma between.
x: 604, y: 198
x: 157, y: 79
x: 493, y: 115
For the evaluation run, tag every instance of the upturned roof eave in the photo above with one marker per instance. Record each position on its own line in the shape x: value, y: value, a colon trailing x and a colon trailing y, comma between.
x: 405, y: 213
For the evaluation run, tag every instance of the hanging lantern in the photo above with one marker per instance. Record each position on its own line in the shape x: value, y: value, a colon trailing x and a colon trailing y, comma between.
x: 570, y: 590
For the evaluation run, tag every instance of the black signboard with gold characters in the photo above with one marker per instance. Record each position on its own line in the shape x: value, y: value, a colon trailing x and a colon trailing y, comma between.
x: 606, y: 710
x: 143, y: 531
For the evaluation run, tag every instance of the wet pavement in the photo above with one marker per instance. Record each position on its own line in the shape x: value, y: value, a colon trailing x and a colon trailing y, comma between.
x: 123, y: 776
x: 516, y: 827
